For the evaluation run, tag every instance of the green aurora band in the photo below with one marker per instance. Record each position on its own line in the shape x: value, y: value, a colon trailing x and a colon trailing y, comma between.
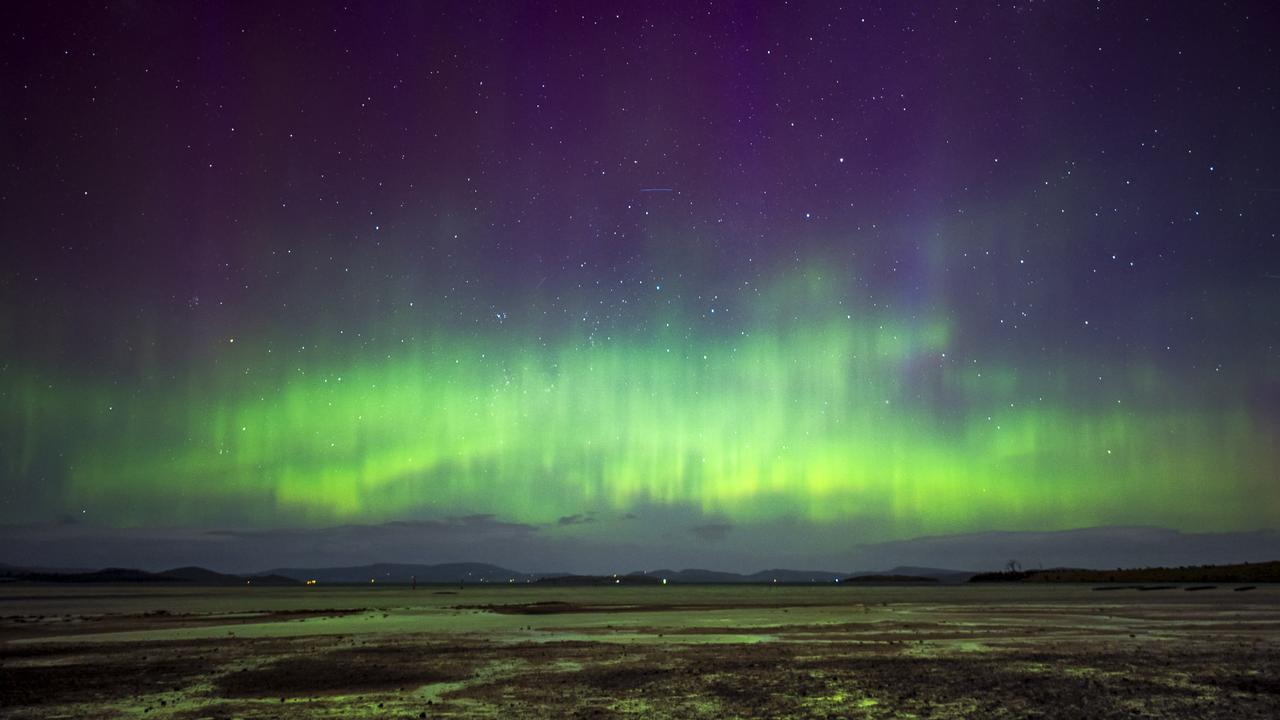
x: 847, y: 418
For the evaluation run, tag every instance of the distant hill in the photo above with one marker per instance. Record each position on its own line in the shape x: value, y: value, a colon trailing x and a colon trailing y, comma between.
x: 1241, y: 573
x: 695, y: 576
x: 202, y: 576
x: 105, y: 575
x: 465, y: 573
x: 939, y: 574
x: 592, y: 580
x: 454, y: 573
x: 404, y: 574
x: 804, y: 577
x: 891, y: 579
x: 177, y: 576
x: 782, y: 575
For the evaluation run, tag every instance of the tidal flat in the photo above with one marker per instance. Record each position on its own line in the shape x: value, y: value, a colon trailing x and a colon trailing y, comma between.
x: 996, y: 651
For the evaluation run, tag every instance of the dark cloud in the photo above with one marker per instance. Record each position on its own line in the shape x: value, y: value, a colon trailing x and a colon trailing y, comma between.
x: 574, y: 520
x: 666, y: 538
x: 711, y: 532
x: 483, y: 538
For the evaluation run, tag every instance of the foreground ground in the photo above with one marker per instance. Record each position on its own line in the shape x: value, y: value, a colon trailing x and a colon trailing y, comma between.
x: 661, y: 652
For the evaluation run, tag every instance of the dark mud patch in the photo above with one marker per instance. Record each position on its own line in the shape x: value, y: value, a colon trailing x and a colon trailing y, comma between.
x: 559, y: 607
x: 19, y: 653
x: 840, y: 680
x: 15, y: 627
x: 343, y: 672
x: 92, y: 681
x: 629, y: 677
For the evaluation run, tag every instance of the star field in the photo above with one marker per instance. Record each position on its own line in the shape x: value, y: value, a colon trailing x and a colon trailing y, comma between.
x: 899, y: 268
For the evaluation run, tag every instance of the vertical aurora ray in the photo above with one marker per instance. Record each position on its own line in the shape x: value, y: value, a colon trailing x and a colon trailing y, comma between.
x: 842, y: 419
x: 810, y: 277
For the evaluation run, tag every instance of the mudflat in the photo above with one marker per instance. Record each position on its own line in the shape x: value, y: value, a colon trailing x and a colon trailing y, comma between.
x: 1048, y: 651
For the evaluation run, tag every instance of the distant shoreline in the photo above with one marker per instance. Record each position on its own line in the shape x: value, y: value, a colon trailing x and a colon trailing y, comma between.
x: 1265, y: 572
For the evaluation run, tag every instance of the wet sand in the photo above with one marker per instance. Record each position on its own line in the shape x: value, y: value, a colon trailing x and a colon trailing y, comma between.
x: 1049, y: 651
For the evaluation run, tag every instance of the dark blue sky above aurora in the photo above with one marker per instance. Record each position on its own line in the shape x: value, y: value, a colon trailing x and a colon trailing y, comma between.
x: 824, y: 276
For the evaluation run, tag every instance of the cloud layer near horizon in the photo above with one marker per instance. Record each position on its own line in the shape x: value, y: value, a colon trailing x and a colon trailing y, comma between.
x: 559, y: 547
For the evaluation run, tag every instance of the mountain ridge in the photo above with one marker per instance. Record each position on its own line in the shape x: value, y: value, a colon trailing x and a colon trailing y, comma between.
x: 462, y: 573
x: 189, y: 575
x: 465, y: 573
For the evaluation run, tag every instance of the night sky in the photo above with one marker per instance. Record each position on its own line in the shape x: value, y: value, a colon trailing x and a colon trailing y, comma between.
x: 717, y: 284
